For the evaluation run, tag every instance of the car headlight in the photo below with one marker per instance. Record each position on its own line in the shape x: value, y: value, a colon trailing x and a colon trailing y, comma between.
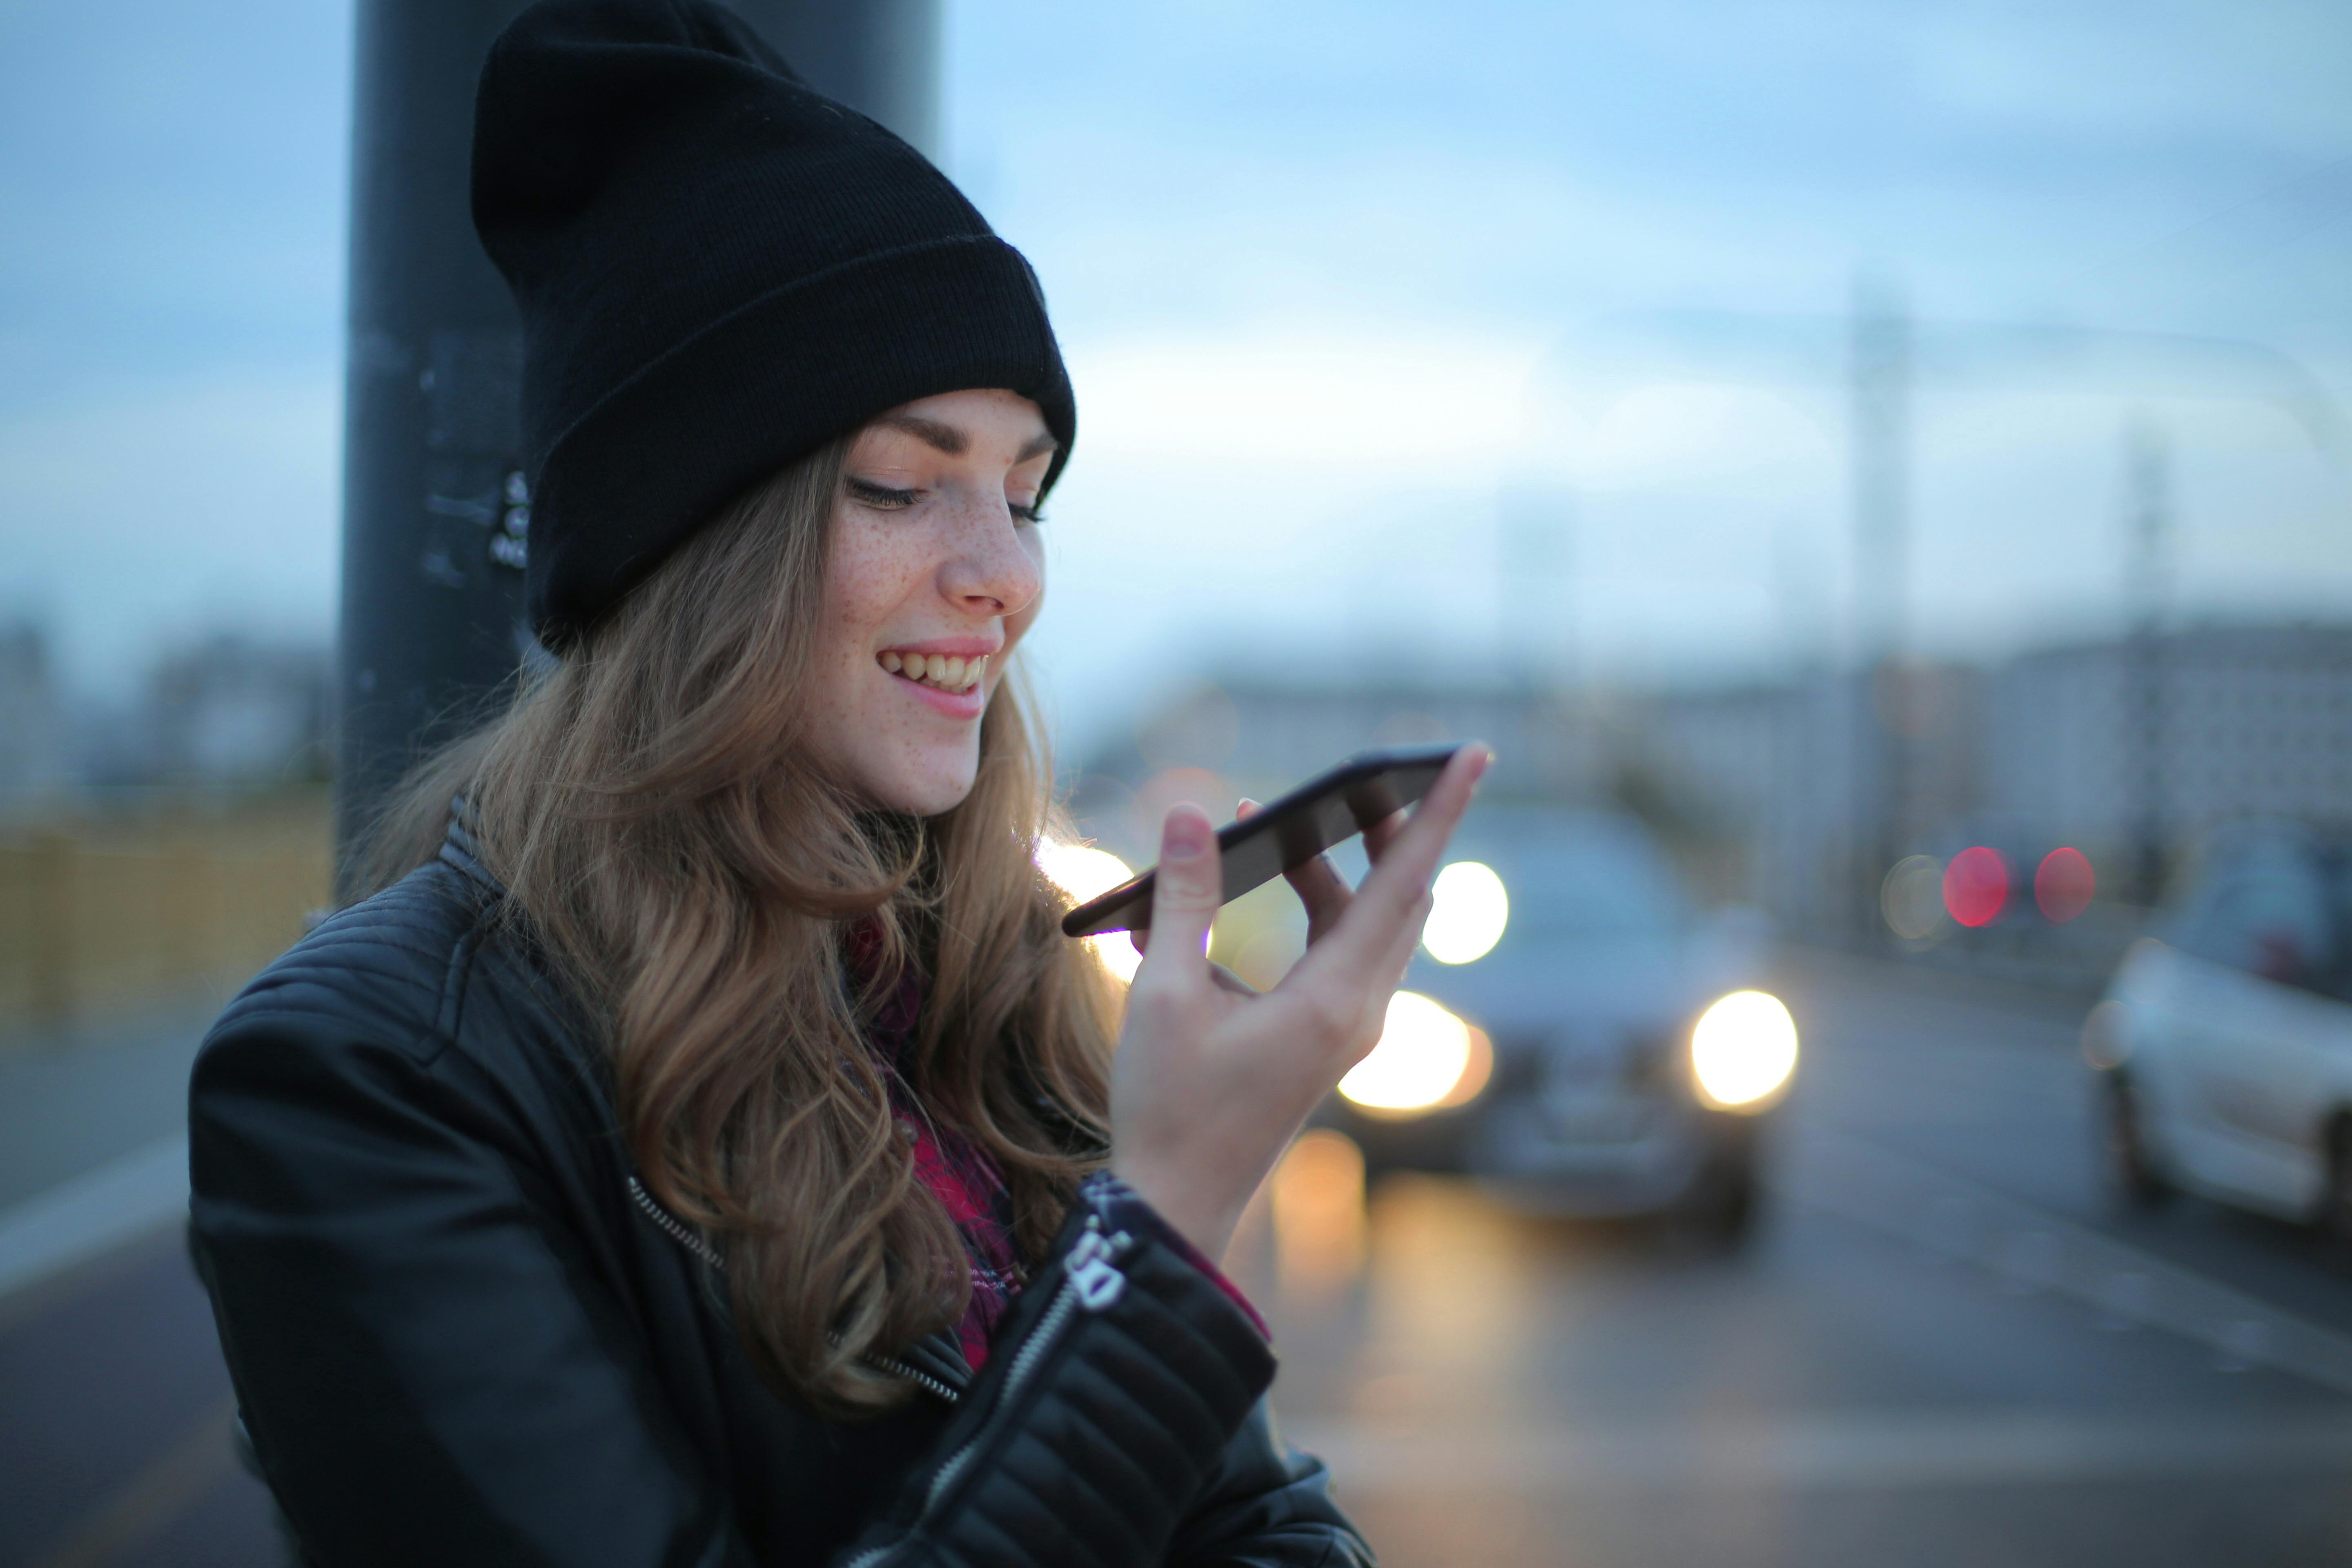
x: 1427, y: 1059
x: 1468, y: 909
x: 1743, y: 1050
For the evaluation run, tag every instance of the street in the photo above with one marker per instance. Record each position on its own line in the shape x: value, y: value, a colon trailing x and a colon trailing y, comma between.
x: 1940, y: 1347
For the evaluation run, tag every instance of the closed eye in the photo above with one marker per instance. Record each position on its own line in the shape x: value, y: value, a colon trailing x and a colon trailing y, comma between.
x: 867, y: 494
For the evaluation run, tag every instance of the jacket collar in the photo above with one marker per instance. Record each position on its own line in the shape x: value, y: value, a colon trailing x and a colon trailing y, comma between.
x: 940, y: 1354
x: 460, y: 848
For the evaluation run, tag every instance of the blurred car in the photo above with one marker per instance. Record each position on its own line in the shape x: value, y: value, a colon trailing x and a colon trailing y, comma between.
x: 2223, y: 1044
x: 1611, y: 1061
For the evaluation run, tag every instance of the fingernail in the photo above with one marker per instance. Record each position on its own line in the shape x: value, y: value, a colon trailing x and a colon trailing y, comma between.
x: 1187, y: 835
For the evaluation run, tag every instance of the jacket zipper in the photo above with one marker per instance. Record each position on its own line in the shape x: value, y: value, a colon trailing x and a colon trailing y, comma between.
x: 922, y: 1379
x: 686, y: 1236
x: 1089, y: 1279
x: 676, y: 1227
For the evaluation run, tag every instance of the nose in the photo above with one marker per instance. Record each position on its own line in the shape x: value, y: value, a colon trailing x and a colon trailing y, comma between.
x: 991, y: 570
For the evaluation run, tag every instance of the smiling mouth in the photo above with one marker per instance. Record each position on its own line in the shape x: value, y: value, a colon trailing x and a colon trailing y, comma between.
x: 944, y: 671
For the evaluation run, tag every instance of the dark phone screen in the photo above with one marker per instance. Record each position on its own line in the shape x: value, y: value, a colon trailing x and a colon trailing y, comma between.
x: 1328, y: 809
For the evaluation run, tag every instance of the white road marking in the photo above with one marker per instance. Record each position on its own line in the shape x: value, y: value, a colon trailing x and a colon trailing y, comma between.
x: 1824, y: 1451
x: 1861, y: 1180
x: 135, y: 1512
x: 93, y: 1213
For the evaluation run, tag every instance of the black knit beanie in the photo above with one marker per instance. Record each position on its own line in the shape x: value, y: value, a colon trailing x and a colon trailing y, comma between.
x: 718, y: 271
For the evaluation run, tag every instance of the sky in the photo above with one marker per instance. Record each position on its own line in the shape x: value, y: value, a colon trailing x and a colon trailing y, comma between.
x: 1404, y: 336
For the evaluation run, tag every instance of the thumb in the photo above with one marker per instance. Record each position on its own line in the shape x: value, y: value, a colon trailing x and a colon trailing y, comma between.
x: 1186, y: 890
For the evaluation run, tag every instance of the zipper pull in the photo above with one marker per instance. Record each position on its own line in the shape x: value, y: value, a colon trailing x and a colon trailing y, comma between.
x: 1092, y: 1269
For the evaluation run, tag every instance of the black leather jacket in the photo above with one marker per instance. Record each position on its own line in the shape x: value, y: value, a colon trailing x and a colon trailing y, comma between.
x: 461, y: 1333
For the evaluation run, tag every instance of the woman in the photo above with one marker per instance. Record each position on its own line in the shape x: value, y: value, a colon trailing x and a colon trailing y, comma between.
x: 704, y: 1148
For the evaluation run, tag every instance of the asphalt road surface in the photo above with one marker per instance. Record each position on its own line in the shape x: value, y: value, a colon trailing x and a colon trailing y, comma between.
x: 1940, y: 1348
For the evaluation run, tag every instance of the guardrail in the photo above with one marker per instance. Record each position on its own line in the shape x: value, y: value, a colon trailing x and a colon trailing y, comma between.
x: 98, y: 916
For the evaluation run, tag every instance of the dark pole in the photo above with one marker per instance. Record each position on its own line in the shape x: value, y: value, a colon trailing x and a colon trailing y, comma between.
x: 434, y: 514
x: 879, y: 57
x: 1880, y: 366
x: 2148, y: 488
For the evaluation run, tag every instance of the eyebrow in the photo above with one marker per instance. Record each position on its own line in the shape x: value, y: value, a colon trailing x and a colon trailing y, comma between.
x: 947, y: 438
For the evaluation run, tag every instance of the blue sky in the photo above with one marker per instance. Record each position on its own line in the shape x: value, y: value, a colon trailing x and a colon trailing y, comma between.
x: 1330, y: 277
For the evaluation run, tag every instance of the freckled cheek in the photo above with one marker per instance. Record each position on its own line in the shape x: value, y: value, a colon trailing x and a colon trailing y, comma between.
x: 873, y: 577
x: 865, y: 585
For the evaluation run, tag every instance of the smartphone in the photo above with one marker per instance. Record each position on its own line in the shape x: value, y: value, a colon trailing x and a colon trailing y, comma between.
x: 1330, y: 808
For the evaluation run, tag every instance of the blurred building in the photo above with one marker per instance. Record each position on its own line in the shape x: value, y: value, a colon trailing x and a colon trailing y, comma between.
x: 1820, y: 779
x: 1796, y: 795
x: 1259, y: 736
x: 2236, y: 721
x: 1775, y: 770
x: 231, y: 711
x: 36, y: 753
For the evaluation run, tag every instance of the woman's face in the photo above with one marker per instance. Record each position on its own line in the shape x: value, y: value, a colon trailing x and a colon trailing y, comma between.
x: 936, y: 571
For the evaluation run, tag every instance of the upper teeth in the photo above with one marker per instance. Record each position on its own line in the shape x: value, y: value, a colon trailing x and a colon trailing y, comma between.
x: 945, y: 672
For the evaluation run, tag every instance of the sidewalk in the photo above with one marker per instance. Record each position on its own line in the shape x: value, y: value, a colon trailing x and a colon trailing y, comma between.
x: 93, y: 1138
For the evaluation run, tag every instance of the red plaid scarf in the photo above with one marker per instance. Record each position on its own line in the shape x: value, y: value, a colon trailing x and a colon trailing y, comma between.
x: 958, y: 1170
x: 962, y: 1175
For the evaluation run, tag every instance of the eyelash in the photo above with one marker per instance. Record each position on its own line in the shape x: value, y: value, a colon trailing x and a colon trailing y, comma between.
x: 889, y: 500
x: 882, y: 495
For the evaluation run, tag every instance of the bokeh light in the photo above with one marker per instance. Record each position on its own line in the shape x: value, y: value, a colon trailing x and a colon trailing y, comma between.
x: 2063, y: 884
x: 1976, y: 886
x: 1267, y: 956
x: 1422, y: 1053
x: 1467, y: 914
x: 1476, y: 1072
x: 1085, y: 872
x: 1743, y: 1050
x: 1316, y: 1194
x: 1912, y: 898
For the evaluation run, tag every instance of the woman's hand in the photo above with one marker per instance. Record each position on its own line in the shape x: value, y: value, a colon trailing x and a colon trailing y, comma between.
x: 1210, y: 1083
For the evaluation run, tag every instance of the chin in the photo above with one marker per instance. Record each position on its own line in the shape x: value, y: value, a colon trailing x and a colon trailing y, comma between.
x: 930, y: 791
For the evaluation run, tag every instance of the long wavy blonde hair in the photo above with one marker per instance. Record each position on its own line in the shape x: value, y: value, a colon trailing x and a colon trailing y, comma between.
x: 691, y: 876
